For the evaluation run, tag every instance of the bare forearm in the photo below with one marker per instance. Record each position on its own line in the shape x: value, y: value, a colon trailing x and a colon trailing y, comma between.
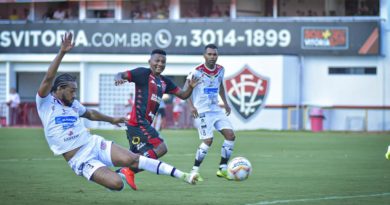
x: 48, y: 79
x: 120, y: 78
x: 190, y: 103
x: 121, y: 75
x: 95, y: 115
x: 186, y: 92
x: 223, y: 97
x: 52, y: 71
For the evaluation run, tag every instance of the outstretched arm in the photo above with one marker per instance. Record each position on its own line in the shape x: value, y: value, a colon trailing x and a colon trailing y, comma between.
x: 193, y: 109
x: 67, y: 45
x: 188, y: 87
x: 223, y: 97
x: 95, y: 115
x: 120, y: 78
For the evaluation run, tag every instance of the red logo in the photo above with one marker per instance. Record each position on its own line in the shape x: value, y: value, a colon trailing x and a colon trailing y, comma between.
x: 246, y: 92
x: 325, y: 38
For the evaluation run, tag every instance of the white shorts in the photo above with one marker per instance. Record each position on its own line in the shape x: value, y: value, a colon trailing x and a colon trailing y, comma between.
x: 208, y: 121
x: 91, y: 156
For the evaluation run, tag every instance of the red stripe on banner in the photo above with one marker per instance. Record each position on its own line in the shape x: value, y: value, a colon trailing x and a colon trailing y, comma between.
x: 371, y: 45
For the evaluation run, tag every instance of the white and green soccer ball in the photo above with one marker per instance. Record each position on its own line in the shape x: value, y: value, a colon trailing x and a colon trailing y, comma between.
x: 239, y: 169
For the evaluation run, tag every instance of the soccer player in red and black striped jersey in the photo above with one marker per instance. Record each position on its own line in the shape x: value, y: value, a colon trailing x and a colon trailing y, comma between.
x: 150, y: 85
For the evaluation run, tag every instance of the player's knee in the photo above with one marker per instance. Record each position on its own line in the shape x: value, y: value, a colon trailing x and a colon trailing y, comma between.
x: 229, y: 135
x: 208, y: 142
x: 117, y: 184
x: 130, y: 160
x: 162, y: 153
x: 161, y: 150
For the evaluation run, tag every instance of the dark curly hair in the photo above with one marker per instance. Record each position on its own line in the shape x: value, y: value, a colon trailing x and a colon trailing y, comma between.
x: 158, y: 51
x: 62, y: 81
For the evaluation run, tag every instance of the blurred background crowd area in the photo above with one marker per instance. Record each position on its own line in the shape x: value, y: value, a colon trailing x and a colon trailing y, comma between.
x: 160, y: 9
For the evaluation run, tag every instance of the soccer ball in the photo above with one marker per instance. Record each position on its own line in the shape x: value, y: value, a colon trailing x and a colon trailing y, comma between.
x: 239, y: 169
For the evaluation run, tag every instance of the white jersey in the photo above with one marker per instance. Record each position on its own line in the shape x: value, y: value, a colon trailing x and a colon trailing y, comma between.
x: 14, y: 99
x: 63, y: 128
x: 205, y: 94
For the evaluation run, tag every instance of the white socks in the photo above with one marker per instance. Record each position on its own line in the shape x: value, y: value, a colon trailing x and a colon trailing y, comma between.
x: 158, y: 167
x: 227, y: 149
x: 201, y: 152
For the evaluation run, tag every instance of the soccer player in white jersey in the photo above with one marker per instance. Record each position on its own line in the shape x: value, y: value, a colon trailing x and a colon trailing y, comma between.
x: 208, y: 114
x: 88, y: 155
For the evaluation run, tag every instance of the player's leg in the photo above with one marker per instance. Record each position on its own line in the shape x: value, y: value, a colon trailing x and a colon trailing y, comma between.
x: 201, y: 153
x: 224, y: 126
x: 155, y: 145
x: 155, y: 149
x: 162, y: 114
x: 146, y: 142
x: 157, y: 122
x: 160, y: 149
x: 108, y: 178
x: 124, y: 158
x: 205, y: 131
x: 226, y: 151
x: 92, y: 161
x: 135, y: 137
x: 388, y: 153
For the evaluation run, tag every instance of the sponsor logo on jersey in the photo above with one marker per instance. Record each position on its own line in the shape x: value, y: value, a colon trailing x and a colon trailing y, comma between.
x: 67, y: 122
x: 71, y: 138
x: 65, y: 119
x: 140, y: 145
x: 136, y: 140
x: 155, y: 98
x: 210, y: 90
x: 247, y: 92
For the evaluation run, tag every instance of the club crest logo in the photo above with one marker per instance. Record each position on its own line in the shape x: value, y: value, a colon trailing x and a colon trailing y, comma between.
x: 247, y: 92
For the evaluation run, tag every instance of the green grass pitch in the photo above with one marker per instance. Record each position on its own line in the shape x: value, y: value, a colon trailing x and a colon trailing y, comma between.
x: 329, y: 168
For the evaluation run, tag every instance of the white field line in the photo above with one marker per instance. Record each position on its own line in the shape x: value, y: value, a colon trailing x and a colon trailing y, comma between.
x: 320, y: 199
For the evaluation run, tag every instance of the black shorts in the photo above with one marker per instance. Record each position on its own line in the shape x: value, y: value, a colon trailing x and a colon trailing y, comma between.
x: 143, y: 138
x: 161, y: 111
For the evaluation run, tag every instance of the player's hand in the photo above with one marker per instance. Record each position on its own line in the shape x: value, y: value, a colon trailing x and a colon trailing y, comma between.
x: 194, y: 82
x: 67, y: 43
x: 194, y: 112
x: 117, y: 120
x: 227, y: 109
x: 119, y: 80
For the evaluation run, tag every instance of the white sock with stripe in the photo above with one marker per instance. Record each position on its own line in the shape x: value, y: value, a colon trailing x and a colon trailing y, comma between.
x: 158, y: 167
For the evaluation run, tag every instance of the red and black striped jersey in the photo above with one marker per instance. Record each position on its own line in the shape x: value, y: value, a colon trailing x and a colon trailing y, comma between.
x: 148, y: 94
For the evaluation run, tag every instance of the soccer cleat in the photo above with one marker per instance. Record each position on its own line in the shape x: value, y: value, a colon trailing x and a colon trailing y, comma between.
x: 129, y: 176
x: 200, y: 179
x: 191, y: 178
x: 223, y: 174
x: 388, y: 153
